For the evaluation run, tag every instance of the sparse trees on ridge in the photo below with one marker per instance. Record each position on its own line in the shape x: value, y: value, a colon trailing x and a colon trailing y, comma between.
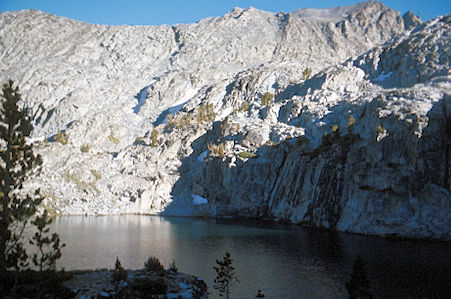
x: 267, y: 98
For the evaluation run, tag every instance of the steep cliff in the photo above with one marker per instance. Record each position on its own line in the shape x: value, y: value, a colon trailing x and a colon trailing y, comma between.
x: 227, y: 116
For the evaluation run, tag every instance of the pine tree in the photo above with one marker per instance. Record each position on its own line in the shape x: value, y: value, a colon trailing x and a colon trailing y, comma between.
x: 307, y: 73
x: 119, y: 272
x: 49, y: 248
x: 173, y: 267
x: 225, y: 275
x: 17, y: 162
x: 359, y: 285
x: 267, y: 98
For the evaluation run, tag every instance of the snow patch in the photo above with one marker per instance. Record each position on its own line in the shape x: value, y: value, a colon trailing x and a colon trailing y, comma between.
x: 183, y: 285
x: 199, y: 200
x: 177, y: 106
x: 202, y: 156
x: 141, y: 97
x: 382, y: 77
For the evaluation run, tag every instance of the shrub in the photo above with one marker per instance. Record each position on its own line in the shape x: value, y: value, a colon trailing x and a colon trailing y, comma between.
x: 288, y: 138
x: 350, y: 124
x: 154, y: 138
x: 272, y: 143
x: 178, y: 121
x: 113, y: 139
x: 169, y: 122
x: 302, y: 140
x: 153, y: 265
x: 211, y: 114
x: 61, y: 137
x: 139, y: 140
x: 119, y: 272
x: 267, y: 98
x: 336, y: 131
x: 307, y: 73
x: 247, y: 155
x: 96, y: 174
x: 351, y: 121
x: 349, y: 139
x: 182, y: 120
x: 244, y: 106
x: 205, y: 112
x: 326, y: 140
x: 217, y: 151
x: 85, y: 148
x: 148, y: 286
x: 186, y: 119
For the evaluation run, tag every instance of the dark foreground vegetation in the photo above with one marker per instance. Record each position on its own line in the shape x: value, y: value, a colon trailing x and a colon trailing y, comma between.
x: 36, y: 284
x: 153, y: 281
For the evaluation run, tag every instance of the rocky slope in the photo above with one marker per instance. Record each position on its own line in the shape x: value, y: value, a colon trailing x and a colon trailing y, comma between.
x: 227, y: 116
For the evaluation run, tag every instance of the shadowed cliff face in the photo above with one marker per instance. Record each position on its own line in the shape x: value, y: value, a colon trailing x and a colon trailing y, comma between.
x: 395, y: 185
x: 227, y: 116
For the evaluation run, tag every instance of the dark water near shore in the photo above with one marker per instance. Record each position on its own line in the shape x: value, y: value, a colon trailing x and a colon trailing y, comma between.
x: 284, y: 261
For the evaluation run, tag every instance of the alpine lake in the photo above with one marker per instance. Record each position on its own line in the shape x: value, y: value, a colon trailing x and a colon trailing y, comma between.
x: 284, y: 261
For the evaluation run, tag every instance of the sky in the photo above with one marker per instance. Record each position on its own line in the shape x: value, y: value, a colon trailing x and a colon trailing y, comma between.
x: 157, y: 12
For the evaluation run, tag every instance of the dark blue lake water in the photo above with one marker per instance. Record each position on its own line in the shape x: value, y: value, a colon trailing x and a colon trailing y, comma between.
x: 284, y: 261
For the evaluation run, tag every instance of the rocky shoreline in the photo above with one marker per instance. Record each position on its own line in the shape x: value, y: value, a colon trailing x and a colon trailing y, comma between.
x: 138, y: 284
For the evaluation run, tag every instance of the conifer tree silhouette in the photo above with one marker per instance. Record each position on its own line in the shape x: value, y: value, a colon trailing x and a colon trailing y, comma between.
x: 359, y: 285
x: 17, y: 162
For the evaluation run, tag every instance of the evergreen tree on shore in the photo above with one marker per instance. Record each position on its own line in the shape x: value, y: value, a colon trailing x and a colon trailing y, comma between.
x: 225, y: 275
x: 259, y: 295
x: 119, y: 273
x: 17, y: 162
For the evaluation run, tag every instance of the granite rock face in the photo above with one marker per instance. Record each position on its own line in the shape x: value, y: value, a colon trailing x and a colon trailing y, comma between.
x: 336, y: 118
x: 382, y: 163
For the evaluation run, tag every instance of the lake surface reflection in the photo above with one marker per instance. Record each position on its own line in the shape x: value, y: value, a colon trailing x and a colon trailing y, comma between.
x: 284, y: 261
